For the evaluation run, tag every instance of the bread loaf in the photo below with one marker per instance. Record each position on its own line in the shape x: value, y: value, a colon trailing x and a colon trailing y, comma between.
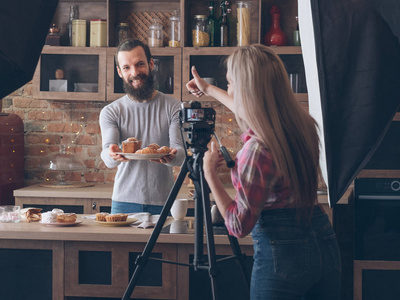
x: 66, y: 218
x: 131, y: 145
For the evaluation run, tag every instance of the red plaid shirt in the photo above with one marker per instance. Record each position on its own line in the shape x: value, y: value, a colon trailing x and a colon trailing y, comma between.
x: 258, y: 187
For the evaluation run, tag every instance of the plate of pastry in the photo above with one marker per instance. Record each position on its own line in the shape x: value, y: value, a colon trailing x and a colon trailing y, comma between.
x: 135, y: 156
x: 60, y: 224
x: 120, y: 219
x: 117, y: 223
x: 131, y: 149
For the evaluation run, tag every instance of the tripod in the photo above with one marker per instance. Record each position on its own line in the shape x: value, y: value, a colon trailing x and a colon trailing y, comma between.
x: 193, y: 165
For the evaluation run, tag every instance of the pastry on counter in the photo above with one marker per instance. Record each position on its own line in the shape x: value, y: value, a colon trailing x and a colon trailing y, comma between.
x: 66, y: 218
x: 31, y: 214
x: 131, y: 145
x: 116, y: 217
x: 101, y: 216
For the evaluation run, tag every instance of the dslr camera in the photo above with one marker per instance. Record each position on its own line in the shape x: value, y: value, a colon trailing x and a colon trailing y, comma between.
x: 200, y: 124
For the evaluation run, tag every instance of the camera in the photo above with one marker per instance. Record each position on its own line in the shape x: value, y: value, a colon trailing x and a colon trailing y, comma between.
x: 201, y: 124
x: 193, y: 112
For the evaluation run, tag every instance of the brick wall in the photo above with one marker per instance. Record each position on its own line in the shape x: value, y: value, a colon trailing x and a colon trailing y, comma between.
x: 50, y: 124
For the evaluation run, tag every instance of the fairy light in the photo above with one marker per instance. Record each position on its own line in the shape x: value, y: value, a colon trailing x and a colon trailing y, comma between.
x: 47, y: 141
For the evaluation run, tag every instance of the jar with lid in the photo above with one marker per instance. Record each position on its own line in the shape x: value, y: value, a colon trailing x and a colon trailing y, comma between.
x: 200, y: 32
x: 155, y: 34
x: 122, y: 33
x: 243, y: 23
x: 175, y: 30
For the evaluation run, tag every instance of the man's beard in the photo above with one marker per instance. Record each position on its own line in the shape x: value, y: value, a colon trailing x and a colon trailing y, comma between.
x: 141, y: 93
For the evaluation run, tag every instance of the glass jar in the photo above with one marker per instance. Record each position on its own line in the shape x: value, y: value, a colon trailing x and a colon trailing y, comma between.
x: 122, y: 33
x: 175, y: 30
x: 200, y: 32
x: 243, y: 23
x: 155, y: 34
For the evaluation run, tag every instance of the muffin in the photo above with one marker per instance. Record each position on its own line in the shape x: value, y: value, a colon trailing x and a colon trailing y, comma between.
x: 101, y: 216
x: 113, y: 218
x: 124, y: 217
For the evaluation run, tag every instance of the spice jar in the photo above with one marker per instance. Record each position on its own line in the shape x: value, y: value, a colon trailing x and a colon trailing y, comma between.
x: 243, y: 23
x: 175, y: 30
x: 200, y: 33
x: 122, y: 33
x: 155, y: 34
x: 98, y: 33
x: 79, y: 33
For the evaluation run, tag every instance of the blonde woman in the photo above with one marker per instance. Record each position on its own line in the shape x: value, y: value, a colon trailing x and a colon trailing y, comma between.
x: 296, y: 255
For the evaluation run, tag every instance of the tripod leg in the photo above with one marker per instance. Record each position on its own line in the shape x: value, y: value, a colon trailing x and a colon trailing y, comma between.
x: 142, y: 259
x: 212, y: 261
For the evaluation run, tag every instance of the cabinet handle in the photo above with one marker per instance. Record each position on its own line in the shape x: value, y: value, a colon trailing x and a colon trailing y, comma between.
x: 94, y: 205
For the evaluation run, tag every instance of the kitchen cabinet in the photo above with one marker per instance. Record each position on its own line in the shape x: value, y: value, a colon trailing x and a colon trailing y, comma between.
x: 175, y: 63
x: 83, y: 74
x: 95, y: 261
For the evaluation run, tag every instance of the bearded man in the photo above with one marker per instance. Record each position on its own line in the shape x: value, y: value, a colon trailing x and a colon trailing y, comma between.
x: 150, y: 116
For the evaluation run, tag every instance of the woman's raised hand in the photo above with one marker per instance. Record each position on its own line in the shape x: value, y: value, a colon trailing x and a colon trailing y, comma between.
x: 197, y: 86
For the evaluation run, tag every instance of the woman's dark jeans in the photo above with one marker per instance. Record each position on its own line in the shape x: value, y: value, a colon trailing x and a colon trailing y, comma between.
x: 293, y: 261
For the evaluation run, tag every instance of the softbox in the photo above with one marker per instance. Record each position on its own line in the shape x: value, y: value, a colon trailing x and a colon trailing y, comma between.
x: 24, y: 26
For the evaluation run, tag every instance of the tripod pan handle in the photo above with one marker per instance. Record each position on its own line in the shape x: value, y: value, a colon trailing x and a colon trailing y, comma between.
x: 229, y: 161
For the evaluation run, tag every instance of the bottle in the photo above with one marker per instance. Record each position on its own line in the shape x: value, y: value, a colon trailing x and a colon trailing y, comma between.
x: 73, y: 15
x: 275, y: 36
x: 243, y: 23
x: 156, y: 74
x: 122, y: 33
x: 212, y: 25
x: 156, y: 34
x: 200, y: 31
x: 223, y: 26
x: 175, y: 30
x: 296, y: 34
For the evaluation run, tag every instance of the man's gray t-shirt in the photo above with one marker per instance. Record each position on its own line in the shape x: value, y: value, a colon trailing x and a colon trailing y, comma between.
x: 156, y: 121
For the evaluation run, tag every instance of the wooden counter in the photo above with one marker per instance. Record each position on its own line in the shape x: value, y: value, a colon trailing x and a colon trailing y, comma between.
x: 92, y: 260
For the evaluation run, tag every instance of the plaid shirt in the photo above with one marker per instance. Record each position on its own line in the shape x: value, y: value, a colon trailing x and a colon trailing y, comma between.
x: 258, y: 187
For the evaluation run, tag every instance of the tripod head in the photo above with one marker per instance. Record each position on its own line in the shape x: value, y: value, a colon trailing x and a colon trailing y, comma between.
x: 201, y: 127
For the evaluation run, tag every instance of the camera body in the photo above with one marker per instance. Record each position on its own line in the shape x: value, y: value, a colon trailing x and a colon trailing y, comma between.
x: 193, y: 112
x: 201, y: 124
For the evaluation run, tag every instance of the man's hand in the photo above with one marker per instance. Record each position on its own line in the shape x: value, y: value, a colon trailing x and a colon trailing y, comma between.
x: 112, y: 152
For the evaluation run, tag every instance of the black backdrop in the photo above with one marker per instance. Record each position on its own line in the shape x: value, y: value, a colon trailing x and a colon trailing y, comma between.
x: 358, y: 58
x: 24, y: 25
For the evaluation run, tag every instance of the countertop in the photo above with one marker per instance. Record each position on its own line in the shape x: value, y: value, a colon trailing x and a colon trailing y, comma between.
x: 89, y: 230
x: 104, y: 191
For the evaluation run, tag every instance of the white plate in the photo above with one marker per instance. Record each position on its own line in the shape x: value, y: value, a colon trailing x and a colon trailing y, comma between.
x: 120, y: 223
x: 60, y: 224
x: 135, y: 156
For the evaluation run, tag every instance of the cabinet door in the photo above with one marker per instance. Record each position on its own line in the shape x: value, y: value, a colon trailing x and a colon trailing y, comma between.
x: 168, y: 77
x: 101, y: 205
x: 82, y: 77
x: 103, y: 269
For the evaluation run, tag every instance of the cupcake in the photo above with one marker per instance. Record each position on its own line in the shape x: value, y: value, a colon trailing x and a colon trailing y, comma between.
x: 123, y: 217
x: 113, y: 218
x: 101, y: 216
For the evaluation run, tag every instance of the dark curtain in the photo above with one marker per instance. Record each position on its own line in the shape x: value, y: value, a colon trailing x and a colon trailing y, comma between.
x: 23, y: 29
x: 358, y: 59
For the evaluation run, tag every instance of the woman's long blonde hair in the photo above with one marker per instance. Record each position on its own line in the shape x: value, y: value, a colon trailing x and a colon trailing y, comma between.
x: 265, y: 103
